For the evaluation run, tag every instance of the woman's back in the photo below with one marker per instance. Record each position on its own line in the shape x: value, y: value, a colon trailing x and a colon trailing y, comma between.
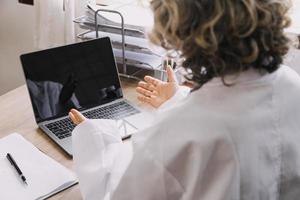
x: 224, y: 142
x: 262, y: 118
x: 238, y: 142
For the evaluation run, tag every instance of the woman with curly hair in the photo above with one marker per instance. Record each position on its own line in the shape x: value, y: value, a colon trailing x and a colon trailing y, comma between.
x: 235, y: 136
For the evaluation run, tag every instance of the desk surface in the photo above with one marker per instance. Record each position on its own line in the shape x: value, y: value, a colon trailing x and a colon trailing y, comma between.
x: 17, y: 116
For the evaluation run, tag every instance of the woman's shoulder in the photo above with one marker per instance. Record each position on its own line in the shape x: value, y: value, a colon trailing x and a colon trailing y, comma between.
x: 289, y: 75
x: 287, y: 83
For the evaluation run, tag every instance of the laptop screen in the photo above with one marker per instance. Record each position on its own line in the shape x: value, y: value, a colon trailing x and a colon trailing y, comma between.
x: 81, y: 76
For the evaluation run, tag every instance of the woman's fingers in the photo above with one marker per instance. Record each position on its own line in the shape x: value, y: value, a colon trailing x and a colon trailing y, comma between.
x: 145, y: 99
x: 78, y: 117
x: 150, y: 100
x: 146, y: 86
x: 143, y: 91
x: 72, y: 117
x: 152, y: 80
x: 171, y: 75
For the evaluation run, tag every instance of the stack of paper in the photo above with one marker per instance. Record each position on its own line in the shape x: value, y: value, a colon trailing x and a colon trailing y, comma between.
x: 138, y: 51
x: 45, y: 176
x: 139, y: 59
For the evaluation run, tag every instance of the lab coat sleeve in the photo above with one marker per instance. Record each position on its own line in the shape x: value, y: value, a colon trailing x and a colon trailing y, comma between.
x: 180, y: 95
x: 96, y: 145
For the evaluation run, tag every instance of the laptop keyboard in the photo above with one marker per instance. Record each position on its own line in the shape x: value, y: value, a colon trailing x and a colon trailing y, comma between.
x: 63, y: 128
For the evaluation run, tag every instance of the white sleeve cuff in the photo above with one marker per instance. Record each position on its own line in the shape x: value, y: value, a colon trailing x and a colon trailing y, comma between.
x: 107, y: 128
x: 180, y: 94
x: 96, y: 147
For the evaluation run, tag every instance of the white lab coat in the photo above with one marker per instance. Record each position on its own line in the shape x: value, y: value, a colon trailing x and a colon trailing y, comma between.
x: 231, y: 143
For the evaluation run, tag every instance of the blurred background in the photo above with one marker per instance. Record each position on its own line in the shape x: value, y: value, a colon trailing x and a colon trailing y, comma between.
x: 25, y: 28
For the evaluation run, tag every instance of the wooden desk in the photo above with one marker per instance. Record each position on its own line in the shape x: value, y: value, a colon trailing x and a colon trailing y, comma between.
x: 17, y: 116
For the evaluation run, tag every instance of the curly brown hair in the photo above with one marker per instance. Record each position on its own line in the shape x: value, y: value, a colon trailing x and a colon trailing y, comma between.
x: 221, y: 37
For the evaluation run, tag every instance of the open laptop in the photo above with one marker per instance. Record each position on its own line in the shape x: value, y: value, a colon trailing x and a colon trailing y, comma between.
x: 82, y: 76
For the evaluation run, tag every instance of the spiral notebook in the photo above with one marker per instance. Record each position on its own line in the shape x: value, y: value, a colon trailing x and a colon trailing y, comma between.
x: 45, y: 176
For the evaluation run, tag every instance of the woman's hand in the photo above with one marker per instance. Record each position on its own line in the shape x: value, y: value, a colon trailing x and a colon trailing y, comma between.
x: 76, y: 116
x: 155, y: 92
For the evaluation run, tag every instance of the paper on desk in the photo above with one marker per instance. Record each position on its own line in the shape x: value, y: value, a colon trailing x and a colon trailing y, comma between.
x: 153, y: 62
x: 129, y: 11
x: 138, y: 51
x: 44, y: 175
x: 105, y: 21
x: 113, y: 2
x: 85, y: 22
x: 133, y: 43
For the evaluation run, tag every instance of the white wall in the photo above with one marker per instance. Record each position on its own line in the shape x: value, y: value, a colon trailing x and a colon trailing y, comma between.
x: 17, y: 30
x: 17, y: 22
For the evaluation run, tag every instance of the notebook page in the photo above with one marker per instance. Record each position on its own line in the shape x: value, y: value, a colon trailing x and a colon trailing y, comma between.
x: 43, y: 174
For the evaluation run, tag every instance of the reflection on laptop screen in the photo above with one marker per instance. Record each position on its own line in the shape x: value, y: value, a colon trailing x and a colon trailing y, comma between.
x: 81, y: 76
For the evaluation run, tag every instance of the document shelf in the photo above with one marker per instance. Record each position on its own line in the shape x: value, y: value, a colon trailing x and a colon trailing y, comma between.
x: 130, y: 45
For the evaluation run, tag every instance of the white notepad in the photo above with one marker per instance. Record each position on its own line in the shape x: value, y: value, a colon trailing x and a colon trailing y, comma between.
x: 44, y: 175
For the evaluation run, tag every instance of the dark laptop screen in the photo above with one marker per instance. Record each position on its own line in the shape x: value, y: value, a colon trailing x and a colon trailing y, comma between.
x: 81, y: 75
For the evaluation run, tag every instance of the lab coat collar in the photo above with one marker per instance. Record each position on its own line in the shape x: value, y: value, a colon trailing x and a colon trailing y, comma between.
x: 251, y: 76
